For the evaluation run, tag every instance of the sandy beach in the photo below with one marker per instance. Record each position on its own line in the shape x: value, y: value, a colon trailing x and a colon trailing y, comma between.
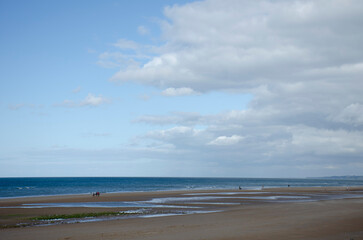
x: 279, y: 213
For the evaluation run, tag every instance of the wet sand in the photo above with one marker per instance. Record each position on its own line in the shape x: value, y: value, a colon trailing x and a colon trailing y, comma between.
x: 317, y: 214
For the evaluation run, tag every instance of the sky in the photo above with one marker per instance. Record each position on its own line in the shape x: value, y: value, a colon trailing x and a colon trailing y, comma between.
x: 232, y: 88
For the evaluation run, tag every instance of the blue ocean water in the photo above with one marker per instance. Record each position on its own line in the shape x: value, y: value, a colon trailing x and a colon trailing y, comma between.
x: 21, y: 187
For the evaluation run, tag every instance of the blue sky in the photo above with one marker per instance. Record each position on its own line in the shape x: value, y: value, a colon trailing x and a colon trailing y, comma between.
x: 180, y: 88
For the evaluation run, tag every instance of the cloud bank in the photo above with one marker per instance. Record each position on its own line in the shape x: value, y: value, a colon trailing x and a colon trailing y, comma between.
x: 301, y: 60
x: 90, y: 100
x: 172, y: 92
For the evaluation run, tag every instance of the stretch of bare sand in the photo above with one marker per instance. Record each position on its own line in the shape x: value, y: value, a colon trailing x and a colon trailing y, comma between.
x: 327, y: 219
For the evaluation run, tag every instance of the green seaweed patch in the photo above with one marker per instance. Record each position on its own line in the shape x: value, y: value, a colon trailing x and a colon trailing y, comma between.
x: 19, y: 225
x: 77, y: 215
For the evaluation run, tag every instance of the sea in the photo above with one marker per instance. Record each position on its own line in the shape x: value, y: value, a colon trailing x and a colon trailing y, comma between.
x: 25, y: 187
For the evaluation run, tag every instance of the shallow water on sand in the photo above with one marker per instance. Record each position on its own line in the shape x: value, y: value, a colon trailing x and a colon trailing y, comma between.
x: 183, y: 204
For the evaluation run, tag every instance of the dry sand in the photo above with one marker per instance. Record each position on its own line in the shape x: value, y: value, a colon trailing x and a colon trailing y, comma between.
x: 250, y: 219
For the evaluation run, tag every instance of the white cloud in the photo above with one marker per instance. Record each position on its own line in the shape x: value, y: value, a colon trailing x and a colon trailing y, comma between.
x: 172, y: 92
x: 175, y: 132
x: 119, y: 60
x: 181, y: 118
x: 90, y: 100
x: 224, y: 140
x: 344, y: 69
x: 352, y: 114
x: 326, y: 142
x: 142, y: 30
x: 240, y: 44
x: 126, y: 44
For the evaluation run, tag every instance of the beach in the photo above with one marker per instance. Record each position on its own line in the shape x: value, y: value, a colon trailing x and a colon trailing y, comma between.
x: 276, y: 213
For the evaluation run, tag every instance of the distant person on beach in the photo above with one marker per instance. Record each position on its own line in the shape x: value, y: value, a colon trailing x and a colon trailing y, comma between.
x: 239, y: 188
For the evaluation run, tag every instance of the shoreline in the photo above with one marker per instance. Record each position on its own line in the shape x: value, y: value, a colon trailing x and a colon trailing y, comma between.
x: 293, y: 188
x: 137, y: 195
x: 203, y: 209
